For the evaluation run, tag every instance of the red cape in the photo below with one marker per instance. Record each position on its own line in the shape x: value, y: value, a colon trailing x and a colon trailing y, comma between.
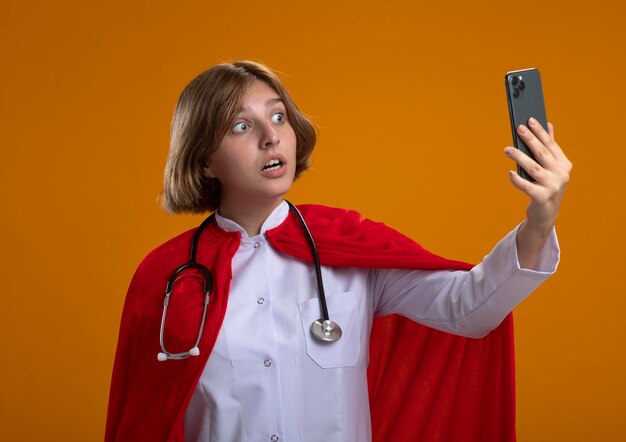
x: 424, y: 384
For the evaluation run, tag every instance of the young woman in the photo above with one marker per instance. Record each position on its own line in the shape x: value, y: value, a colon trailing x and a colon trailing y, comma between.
x: 274, y: 356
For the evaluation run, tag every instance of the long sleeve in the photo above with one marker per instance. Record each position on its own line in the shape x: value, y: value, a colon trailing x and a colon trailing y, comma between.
x: 467, y: 303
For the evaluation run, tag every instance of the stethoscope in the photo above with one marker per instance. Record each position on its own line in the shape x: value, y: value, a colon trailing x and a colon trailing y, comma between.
x: 323, y: 329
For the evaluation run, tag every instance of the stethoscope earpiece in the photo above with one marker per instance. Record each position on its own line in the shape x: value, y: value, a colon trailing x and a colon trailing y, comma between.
x: 195, y: 351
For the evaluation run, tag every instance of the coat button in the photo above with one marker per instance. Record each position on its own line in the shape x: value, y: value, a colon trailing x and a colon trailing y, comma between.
x: 260, y: 301
x: 257, y: 245
x: 267, y: 362
x: 274, y: 438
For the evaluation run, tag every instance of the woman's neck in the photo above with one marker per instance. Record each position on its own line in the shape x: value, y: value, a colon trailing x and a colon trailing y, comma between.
x: 249, y: 216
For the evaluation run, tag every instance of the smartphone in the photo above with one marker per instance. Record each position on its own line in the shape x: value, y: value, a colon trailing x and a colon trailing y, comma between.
x: 525, y: 97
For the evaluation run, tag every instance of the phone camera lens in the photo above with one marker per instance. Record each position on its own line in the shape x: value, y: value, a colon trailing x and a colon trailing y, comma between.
x: 522, y: 85
x: 514, y: 81
x: 516, y: 93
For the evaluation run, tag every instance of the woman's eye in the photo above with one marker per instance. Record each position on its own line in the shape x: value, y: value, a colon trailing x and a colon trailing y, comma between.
x: 278, y: 117
x: 240, y: 127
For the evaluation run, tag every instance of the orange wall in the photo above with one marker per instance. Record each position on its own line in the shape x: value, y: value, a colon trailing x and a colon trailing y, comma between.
x: 409, y: 100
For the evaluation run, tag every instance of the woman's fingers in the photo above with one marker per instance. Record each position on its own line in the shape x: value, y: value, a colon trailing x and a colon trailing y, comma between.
x: 551, y: 131
x: 550, y: 170
x: 540, y: 133
x: 537, y: 141
x: 548, y: 142
x: 524, y: 185
x: 532, y: 167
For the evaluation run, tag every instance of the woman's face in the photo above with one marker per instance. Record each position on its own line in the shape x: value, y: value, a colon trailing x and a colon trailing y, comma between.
x: 256, y: 160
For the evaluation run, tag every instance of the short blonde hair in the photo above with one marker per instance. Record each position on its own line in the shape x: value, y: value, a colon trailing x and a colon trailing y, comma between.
x: 204, y: 113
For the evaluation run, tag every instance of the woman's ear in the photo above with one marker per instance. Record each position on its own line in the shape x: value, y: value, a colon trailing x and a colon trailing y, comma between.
x: 207, y: 171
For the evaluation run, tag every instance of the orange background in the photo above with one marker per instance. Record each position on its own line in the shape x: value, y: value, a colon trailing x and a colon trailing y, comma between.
x: 409, y: 99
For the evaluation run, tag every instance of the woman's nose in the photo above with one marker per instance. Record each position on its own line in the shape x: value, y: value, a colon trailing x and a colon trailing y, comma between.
x: 270, y: 137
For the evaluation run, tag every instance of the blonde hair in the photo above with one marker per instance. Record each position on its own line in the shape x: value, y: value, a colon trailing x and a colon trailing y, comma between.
x: 204, y: 113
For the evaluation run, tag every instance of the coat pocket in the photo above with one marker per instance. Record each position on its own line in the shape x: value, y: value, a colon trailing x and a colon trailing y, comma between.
x: 343, y: 308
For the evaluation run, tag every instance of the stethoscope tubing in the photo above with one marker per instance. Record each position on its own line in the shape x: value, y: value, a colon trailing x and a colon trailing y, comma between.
x: 316, y: 261
x: 323, y: 329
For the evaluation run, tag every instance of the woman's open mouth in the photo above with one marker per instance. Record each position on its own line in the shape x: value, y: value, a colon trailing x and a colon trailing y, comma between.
x: 271, y: 165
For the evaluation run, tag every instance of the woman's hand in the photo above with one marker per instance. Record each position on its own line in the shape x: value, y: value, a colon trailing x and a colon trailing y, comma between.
x: 551, y: 172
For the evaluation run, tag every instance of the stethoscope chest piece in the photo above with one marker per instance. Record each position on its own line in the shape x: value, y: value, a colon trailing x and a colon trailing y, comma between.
x: 327, y: 331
